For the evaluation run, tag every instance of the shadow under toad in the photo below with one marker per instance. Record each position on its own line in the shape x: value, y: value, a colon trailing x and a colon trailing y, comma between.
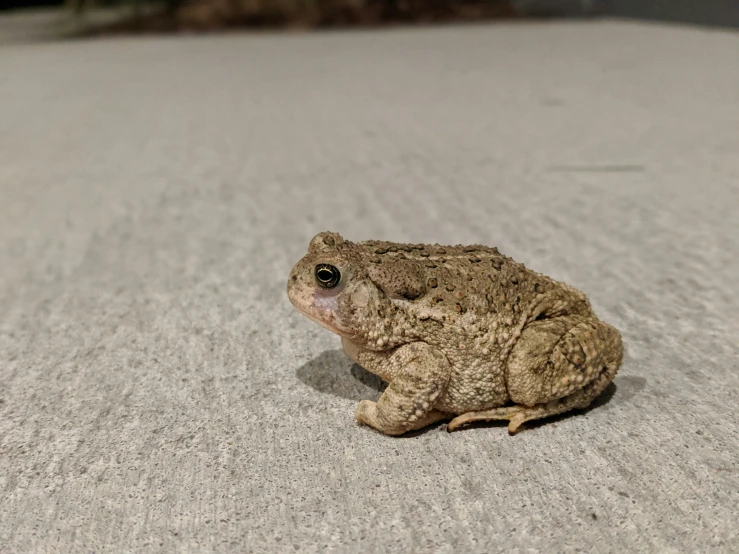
x: 332, y: 372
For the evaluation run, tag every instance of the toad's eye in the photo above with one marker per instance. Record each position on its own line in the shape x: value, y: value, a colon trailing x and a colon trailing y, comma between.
x: 327, y: 276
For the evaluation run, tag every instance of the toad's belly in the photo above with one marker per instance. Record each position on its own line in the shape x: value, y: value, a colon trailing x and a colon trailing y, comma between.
x: 475, y: 384
x: 478, y: 385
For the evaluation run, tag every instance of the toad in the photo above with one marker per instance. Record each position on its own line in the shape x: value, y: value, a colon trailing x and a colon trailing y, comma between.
x: 460, y: 333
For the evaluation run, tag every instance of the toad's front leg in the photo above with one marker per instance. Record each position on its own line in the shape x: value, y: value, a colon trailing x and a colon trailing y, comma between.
x: 420, y: 374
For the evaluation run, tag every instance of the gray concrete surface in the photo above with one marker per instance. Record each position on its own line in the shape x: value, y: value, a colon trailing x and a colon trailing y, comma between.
x: 159, y: 394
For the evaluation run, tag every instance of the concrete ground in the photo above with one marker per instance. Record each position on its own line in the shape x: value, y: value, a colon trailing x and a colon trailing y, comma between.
x: 158, y: 393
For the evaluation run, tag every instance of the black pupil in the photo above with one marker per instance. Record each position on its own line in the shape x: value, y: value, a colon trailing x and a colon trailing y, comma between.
x: 327, y: 275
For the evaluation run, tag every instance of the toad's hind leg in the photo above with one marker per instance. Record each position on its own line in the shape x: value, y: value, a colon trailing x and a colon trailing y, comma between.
x: 557, y: 365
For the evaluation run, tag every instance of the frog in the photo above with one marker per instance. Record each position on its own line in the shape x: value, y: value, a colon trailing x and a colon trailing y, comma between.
x: 459, y: 333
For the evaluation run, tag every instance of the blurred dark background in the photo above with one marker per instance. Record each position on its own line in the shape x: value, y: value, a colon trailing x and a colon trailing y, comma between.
x: 215, y: 14
x: 721, y: 13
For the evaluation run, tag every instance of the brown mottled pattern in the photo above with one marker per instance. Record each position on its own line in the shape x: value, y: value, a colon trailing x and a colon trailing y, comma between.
x: 458, y: 334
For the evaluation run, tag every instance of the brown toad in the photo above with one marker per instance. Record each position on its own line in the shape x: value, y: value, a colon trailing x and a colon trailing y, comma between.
x: 455, y: 331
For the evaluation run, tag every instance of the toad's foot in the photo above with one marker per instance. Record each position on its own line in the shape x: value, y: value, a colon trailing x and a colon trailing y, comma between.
x: 516, y: 415
x: 420, y: 376
x: 366, y: 413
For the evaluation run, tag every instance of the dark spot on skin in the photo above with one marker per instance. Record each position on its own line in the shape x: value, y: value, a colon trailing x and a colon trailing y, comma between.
x: 329, y: 241
x: 438, y: 298
x: 514, y: 279
x: 594, y: 516
x: 392, y: 249
x: 381, y: 251
x: 470, y: 249
x: 496, y: 263
x: 431, y: 265
x: 376, y: 260
x: 450, y: 287
x: 538, y: 288
x: 424, y: 254
x: 459, y: 308
x: 410, y: 295
x: 475, y: 260
x: 433, y: 283
x: 575, y: 355
x: 441, y: 251
x: 295, y: 277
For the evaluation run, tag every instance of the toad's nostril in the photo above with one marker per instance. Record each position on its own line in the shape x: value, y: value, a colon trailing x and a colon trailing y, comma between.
x: 295, y: 277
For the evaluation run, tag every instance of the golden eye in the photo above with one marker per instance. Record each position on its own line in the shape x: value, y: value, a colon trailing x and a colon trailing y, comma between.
x: 327, y: 276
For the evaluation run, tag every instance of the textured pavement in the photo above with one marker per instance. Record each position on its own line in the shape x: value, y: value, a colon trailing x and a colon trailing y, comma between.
x: 158, y: 393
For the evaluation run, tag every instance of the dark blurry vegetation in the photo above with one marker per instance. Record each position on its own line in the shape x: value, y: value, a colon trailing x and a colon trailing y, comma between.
x: 155, y: 16
x: 211, y: 15
x: 18, y: 4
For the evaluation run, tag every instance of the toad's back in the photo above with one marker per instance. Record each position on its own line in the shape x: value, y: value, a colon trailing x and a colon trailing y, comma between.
x: 461, y: 279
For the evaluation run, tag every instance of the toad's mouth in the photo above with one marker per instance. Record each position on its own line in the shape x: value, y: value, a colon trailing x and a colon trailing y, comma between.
x: 320, y: 311
x: 318, y: 320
